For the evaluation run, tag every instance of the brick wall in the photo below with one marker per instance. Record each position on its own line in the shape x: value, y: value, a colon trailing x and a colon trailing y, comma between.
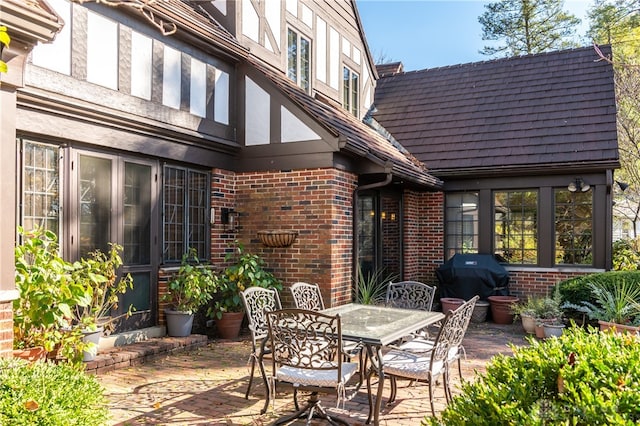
x: 532, y: 282
x: 318, y: 204
x: 6, y: 329
x: 423, y: 234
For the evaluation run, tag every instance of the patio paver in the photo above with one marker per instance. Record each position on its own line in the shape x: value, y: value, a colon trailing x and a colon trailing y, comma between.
x: 206, y: 386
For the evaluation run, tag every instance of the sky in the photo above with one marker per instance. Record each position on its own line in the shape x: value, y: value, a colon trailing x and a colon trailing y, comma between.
x: 433, y: 33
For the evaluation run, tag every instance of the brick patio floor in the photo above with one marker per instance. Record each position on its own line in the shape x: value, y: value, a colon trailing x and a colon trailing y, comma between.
x: 206, y: 386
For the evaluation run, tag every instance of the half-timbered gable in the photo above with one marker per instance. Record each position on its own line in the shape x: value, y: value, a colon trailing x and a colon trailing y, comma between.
x: 320, y: 46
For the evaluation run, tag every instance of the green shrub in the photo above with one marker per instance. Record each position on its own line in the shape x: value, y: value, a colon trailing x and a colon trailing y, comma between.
x: 576, y: 290
x: 49, y: 394
x: 582, y: 378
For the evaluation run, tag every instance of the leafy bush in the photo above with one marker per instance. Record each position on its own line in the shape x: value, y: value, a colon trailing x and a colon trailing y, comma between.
x: 625, y: 255
x: 583, y: 377
x: 49, y: 394
x: 576, y: 290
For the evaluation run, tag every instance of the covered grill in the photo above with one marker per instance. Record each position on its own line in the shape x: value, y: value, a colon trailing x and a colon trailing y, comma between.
x: 466, y: 275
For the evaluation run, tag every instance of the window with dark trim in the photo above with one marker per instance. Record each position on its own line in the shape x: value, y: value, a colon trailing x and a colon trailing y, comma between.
x: 40, y: 186
x: 516, y: 226
x: 350, y: 91
x: 573, y: 227
x: 299, y: 59
x: 462, y: 225
x: 185, y: 208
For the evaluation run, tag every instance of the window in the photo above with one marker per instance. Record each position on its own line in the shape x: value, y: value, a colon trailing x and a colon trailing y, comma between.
x: 299, y: 60
x: 516, y: 227
x: 350, y: 91
x: 185, y: 207
x: 461, y: 216
x: 41, y: 192
x: 573, y: 227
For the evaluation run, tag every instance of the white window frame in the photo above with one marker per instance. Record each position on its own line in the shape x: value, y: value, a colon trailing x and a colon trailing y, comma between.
x: 347, y: 91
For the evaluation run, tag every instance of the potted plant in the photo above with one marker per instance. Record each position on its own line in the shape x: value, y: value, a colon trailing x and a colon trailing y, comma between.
x: 43, y: 312
x: 616, y: 305
x: 245, y: 270
x: 188, y: 290
x: 98, y: 272
x: 549, y: 315
x: 527, y: 312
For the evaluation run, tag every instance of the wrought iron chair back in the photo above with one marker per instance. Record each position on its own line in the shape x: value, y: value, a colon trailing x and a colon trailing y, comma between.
x: 307, y: 296
x: 433, y: 360
x: 307, y: 353
x: 257, y: 301
x: 410, y: 295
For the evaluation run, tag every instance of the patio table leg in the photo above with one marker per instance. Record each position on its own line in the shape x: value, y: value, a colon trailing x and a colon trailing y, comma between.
x: 375, y: 357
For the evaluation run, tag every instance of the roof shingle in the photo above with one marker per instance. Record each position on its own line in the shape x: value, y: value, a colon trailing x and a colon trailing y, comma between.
x: 545, y: 111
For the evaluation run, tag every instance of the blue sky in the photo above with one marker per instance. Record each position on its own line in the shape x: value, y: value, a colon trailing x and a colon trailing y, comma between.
x: 432, y: 33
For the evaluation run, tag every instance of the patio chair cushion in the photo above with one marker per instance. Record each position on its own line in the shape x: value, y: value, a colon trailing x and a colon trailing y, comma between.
x: 422, y: 345
x: 411, y: 365
x: 316, y: 377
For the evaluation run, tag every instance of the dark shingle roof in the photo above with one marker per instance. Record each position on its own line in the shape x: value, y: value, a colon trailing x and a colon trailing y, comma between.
x: 389, y: 69
x: 360, y: 139
x: 542, y: 112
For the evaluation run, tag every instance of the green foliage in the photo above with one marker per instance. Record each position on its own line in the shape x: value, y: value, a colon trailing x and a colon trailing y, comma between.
x: 4, y: 42
x: 625, y: 256
x: 527, y: 27
x: 245, y: 270
x: 576, y: 290
x: 49, y: 394
x: 583, y: 377
x: 192, y: 286
x: 545, y: 308
x: 48, y: 295
x: 619, y: 304
x: 371, y: 287
x: 99, y: 273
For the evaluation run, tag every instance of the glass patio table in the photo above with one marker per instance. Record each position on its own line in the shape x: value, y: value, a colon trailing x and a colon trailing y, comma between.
x: 375, y: 327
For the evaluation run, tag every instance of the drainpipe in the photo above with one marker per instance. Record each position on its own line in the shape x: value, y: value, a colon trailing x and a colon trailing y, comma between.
x: 356, y: 244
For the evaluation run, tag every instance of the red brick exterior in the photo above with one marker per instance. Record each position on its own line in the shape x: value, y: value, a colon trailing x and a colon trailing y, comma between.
x: 318, y: 204
x: 6, y: 329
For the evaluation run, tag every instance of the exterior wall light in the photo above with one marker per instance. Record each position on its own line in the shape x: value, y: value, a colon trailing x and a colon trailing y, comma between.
x: 578, y: 185
x: 229, y: 218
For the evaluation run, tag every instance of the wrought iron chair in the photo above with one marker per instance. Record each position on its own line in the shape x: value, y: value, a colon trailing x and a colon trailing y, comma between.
x: 432, y: 362
x: 307, y: 355
x: 411, y: 295
x: 257, y: 301
x: 308, y: 296
x: 457, y: 349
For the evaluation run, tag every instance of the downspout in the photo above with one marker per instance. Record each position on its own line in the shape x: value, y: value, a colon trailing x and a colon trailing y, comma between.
x: 356, y: 244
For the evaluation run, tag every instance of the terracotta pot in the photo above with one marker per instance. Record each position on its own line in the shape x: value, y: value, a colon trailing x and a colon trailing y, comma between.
x: 450, y: 303
x: 618, y: 328
x: 502, y: 308
x: 229, y: 325
x: 30, y: 354
x: 539, y: 330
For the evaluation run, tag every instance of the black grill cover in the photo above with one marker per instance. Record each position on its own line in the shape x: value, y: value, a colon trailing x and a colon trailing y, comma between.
x: 466, y: 275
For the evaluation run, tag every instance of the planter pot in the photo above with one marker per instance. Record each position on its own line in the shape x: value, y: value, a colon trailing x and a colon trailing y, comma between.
x: 618, y: 328
x: 30, y: 354
x: 479, y: 313
x: 91, y: 337
x: 553, y: 330
x: 228, y: 326
x: 450, y: 303
x: 502, y: 308
x: 528, y: 323
x: 539, y: 330
x: 179, y: 323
